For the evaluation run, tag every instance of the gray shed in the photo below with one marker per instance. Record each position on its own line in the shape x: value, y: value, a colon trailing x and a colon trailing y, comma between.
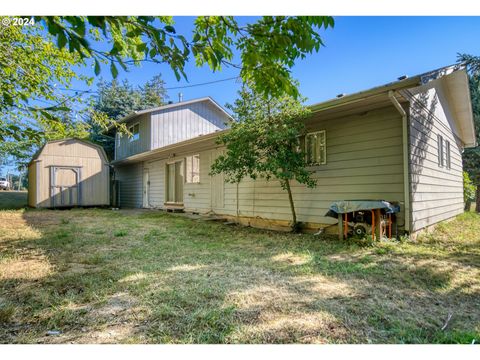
x: 69, y: 172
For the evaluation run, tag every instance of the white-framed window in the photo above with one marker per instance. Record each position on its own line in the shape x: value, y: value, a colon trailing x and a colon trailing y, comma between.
x: 192, y: 169
x: 316, y: 148
x: 447, y: 154
x: 135, y: 131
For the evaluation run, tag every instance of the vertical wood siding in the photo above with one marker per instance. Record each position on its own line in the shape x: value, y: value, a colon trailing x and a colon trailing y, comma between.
x: 437, y: 192
x: 127, y: 147
x: 130, y: 178
x: 173, y: 125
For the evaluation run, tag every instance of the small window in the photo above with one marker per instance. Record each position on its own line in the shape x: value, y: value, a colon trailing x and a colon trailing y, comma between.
x: 441, y: 159
x: 192, y: 164
x: 316, y: 148
x: 135, y: 131
x: 447, y: 154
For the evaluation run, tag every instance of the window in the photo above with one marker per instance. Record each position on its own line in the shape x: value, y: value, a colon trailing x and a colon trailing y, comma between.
x: 135, y: 130
x: 192, y: 164
x: 118, y: 139
x: 441, y: 159
x: 447, y: 154
x: 316, y: 148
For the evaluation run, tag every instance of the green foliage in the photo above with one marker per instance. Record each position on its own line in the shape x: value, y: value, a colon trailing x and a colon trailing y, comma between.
x: 36, y: 61
x: 468, y: 188
x: 471, y: 156
x: 31, y: 70
x: 265, y: 142
x: 268, y: 47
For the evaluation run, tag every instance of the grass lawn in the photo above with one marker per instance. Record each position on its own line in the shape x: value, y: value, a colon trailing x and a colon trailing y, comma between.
x: 130, y: 276
x: 13, y: 199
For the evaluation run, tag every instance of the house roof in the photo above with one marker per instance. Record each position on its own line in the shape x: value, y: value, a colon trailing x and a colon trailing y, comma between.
x: 457, y: 80
x: 86, y: 142
x: 174, y: 105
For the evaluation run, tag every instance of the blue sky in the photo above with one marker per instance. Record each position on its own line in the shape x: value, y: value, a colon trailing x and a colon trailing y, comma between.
x: 359, y: 53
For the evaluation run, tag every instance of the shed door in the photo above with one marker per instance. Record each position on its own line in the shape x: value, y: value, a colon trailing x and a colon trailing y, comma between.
x: 65, y: 187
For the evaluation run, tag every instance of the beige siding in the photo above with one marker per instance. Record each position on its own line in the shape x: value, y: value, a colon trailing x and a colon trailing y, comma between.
x: 364, y: 161
x: 437, y: 192
x: 95, y: 173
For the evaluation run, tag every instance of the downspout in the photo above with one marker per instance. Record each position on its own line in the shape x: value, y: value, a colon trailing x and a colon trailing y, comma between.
x: 406, y: 172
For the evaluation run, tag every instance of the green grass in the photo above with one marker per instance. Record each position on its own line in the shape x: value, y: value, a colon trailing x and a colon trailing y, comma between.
x: 152, y: 277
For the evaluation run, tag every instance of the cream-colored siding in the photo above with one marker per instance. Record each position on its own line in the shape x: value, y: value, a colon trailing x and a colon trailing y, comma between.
x: 436, y: 192
x: 364, y: 161
x: 86, y: 158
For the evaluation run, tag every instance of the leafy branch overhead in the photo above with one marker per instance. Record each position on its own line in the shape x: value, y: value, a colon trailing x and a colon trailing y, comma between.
x: 268, y: 48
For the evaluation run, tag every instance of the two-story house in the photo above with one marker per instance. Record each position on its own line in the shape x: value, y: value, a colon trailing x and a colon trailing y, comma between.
x: 400, y: 142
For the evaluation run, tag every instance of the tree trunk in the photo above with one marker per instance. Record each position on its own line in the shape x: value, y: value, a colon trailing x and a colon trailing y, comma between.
x: 292, y: 205
x: 468, y: 205
x: 477, y: 195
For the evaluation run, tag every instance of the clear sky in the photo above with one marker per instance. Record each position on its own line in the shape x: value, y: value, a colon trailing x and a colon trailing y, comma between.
x: 359, y: 53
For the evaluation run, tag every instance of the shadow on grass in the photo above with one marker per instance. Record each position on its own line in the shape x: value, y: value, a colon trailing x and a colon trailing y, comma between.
x: 152, y: 277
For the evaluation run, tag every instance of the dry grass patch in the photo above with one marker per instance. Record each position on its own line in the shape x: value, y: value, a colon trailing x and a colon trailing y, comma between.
x: 101, y: 276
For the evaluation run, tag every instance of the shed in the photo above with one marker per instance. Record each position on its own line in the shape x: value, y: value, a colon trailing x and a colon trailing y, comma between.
x: 67, y: 173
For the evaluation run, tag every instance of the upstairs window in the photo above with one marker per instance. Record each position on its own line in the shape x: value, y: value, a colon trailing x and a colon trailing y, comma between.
x: 316, y: 148
x: 135, y: 131
x: 192, y: 164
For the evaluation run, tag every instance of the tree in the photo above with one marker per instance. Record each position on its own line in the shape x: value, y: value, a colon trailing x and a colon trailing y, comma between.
x: 264, y: 142
x: 471, y: 156
x: 468, y: 191
x: 31, y: 71
x: 115, y: 100
x: 268, y: 49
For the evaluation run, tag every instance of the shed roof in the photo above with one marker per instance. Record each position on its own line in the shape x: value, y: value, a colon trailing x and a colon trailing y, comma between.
x: 86, y: 142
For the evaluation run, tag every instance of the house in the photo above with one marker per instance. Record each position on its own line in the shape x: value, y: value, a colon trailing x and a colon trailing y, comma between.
x: 400, y: 142
x: 67, y: 173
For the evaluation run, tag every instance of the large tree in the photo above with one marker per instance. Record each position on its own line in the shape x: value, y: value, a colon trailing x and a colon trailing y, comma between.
x: 471, y: 156
x: 267, y: 50
x: 264, y: 142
